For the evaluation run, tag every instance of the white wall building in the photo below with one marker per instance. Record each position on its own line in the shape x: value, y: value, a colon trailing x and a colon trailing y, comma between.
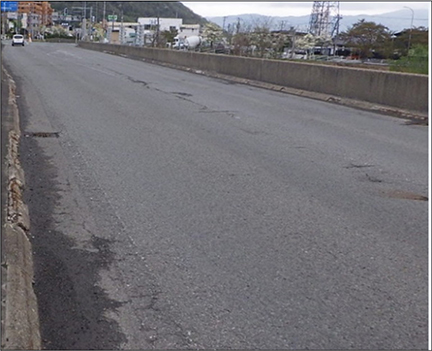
x: 188, y: 30
x: 12, y: 15
x: 150, y: 23
x: 116, y: 34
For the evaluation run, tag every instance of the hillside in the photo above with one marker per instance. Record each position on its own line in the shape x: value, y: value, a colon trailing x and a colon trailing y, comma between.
x: 132, y: 10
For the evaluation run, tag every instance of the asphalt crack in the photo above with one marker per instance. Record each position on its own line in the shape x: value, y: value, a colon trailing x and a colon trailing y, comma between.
x: 373, y: 179
x: 352, y: 165
x: 137, y: 81
x: 181, y: 94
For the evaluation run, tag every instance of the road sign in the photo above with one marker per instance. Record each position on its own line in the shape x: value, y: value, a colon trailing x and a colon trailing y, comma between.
x: 9, y: 6
x: 112, y: 17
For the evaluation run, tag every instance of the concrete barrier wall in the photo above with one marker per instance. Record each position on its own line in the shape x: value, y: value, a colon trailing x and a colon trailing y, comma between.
x: 393, y: 89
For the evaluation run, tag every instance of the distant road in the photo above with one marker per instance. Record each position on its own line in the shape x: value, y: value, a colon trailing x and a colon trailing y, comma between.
x: 175, y: 210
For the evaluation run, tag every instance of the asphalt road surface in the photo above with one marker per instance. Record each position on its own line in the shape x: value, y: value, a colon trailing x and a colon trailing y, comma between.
x: 173, y: 210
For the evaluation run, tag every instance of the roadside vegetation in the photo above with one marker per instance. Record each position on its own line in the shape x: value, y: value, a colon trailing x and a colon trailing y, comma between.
x: 365, y: 44
x: 417, y: 61
x: 407, y: 51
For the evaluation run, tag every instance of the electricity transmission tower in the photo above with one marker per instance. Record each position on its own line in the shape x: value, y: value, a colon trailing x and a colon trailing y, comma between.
x: 324, y: 19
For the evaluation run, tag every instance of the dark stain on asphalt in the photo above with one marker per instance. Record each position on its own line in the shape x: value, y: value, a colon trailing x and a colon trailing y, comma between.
x: 72, y: 307
x: 405, y: 195
x: 42, y: 134
x: 352, y: 165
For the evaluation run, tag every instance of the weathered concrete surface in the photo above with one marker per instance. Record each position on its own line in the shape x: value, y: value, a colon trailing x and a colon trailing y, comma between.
x: 20, y: 320
x: 392, y: 89
x: 21, y: 331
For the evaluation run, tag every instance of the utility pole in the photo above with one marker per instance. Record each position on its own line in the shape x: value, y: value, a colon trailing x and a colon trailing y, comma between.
x: 112, y: 30
x: 91, y: 22
x: 30, y: 22
x: 282, y: 25
x: 122, y: 26
x: 294, y: 32
x: 410, y: 32
x: 5, y: 23
x: 84, y: 23
x: 157, y: 31
x: 104, y: 18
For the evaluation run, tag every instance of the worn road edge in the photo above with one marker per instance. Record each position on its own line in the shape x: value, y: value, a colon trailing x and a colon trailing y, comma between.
x: 21, y: 330
x: 411, y: 116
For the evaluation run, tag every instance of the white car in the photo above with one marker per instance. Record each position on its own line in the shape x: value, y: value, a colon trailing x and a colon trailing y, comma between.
x: 18, y: 39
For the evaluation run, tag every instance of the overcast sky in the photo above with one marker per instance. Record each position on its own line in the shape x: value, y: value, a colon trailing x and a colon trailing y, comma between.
x: 285, y: 8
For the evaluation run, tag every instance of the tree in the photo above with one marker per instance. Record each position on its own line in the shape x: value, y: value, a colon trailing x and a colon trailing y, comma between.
x: 261, y: 40
x: 213, y: 33
x: 419, y: 36
x: 241, y: 43
x: 57, y: 32
x: 367, y: 37
x: 98, y: 32
x: 307, y: 43
x: 168, y: 36
x: 280, y: 41
x: 323, y: 40
x: 229, y: 33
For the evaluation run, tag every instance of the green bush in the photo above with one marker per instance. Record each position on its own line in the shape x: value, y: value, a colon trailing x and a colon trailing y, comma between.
x: 417, y: 61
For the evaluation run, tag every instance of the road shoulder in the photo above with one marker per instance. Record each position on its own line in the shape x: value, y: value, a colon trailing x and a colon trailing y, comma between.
x: 20, y: 319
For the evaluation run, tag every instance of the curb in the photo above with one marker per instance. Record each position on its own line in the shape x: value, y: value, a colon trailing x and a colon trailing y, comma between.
x: 21, y: 330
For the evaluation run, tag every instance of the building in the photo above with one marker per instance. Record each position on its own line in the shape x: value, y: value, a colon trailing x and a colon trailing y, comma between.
x: 169, y: 24
x: 115, y: 31
x: 147, y: 30
x: 42, y: 9
x: 34, y: 15
x: 189, y: 30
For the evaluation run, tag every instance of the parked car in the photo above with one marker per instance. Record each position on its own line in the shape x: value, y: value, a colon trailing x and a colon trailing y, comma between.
x: 18, y: 39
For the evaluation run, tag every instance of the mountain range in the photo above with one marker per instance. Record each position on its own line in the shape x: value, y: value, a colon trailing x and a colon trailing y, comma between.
x: 396, y: 21
x: 131, y: 10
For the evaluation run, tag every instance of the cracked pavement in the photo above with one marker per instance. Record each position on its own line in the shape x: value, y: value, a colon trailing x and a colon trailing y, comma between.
x: 177, y: 211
